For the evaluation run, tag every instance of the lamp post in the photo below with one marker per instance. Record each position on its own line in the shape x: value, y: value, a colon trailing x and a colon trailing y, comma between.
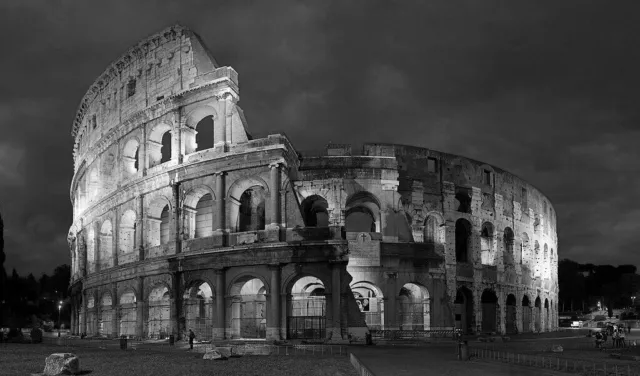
x: 633, y: 301
x: 59, y: 308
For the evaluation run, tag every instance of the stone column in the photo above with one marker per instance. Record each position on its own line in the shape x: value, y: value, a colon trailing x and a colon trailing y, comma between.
x: 335, y: 301
x: 175, y: 188
x: 390, y: 307
x: 175, y: 305
x: 220, y: 221
x: 140, y: 319
x: 96, y: 245
x: 220, y: 126
x: 114, y: 310
x: 83, y: 310
x: 73, y: 315
x: 273, y: 315
x: 274, y: 197
x: 140, y: 227
x: 219, y: 323
x: 115, y: 233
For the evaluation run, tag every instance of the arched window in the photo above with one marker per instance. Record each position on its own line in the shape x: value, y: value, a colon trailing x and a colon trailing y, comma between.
x: 130, y: 156
x: 166, y: 147
x: 464, y: 200
x: 165, y: 225
x: 204, y: 217
x: 463, y: 236
x: 252, y: 209
x: 431, y: 230
x: 509, y: 254
x: 127, y: 236
x: 204, y: 133
x: 362, y: 213
x: 315, y: 213
x: 486, y: 244
x: 106, y: 245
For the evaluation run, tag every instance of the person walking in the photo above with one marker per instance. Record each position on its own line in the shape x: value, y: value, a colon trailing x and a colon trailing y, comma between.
x: 192, y: 335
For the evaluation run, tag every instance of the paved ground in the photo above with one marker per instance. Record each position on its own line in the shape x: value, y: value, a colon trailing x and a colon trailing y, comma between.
x: 434, y: 360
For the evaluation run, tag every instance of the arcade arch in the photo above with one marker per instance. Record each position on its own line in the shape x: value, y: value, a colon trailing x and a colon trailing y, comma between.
x: 414, y: 307
x: 306, y: 309
x: 370, y: 301
x: 248, y: 308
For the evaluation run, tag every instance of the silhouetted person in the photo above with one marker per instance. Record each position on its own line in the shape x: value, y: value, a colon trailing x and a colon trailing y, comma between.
x: 191, y: 337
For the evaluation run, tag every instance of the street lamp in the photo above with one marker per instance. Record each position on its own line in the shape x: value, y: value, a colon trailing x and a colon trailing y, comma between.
x: 633, y: 301
x: 59, y: 308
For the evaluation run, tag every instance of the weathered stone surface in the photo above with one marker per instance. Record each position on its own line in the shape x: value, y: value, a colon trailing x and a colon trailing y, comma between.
x: 224, y: 351
x: 61, y: 364
x: 557, y: 348
x: 214, y: 355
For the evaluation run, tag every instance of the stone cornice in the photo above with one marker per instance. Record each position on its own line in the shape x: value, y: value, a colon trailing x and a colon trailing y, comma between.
x: 118, y: 65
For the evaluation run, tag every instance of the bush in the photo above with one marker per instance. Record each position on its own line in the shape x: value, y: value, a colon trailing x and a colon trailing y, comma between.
x: 36, y: 335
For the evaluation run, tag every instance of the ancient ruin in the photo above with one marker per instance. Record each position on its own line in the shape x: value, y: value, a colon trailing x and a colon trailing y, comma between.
x: 183, y: 220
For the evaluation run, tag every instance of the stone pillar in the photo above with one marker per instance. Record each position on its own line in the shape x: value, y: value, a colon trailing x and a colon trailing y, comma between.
x: 175, y: 305
x: 96, y: 245
x: 143, y: 158
x: 220, y: 126
x: 274, y: 197
x: 335, y: 301
x: 220, y: 221
x: 273, y: 315
x: 140, y: 226
x: 390, y: 305
x: 115, y: 233
x: 140, y: 319
x: 73, y: 315
x: 175, y: 188
x: 219, y: 323
x: 83, y: 310
x: 114, y: 310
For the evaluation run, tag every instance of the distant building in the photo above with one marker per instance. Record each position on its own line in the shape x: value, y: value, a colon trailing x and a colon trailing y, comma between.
x: 183, y: 220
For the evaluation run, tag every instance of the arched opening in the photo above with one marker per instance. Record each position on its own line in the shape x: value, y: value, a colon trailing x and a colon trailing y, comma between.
x: 166, y: 148
x: 159, y: 145
x: 204, y: 217
x: 547, y: 322
x: 105, y: 321
x: 130, y: 156
x: 414, y: 307
x: 106, y: 245
x: 511, y: 314
x: 431, y: 230
x: 362, y: 213
x: 509, y: 257
x: 91, y: 250
x: 488, y: 255
x: 127, y: 237
x: 526, y: 315
x: 463, y: 240
x: 91, y: 316
x: 370, y: 301
x: 165, y: 225
x: 127, y: 314
x: 306, y: 309
x: 489, y: 302
x: 204, y: 133
x: 251, y: 213
x: 537, y: 315
x: 463, y: 197
x: 158, y: 320
x: 248, y: 309
x: 159, y: 222
x: 198, y: 310
x: 314, y: 209
x: 464, y: 310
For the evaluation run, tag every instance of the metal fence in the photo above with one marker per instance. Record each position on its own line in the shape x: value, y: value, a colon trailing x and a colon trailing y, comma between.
x: 583, y: 367
x: 412, y: 334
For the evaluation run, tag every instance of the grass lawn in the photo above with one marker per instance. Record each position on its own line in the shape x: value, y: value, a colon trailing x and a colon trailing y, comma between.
x: 23, y: 359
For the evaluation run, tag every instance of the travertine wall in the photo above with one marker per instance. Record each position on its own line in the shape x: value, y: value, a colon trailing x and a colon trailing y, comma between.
x: 150, y: 225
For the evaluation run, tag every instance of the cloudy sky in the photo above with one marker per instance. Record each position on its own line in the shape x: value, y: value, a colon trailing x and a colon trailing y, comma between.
x: 545, y: 89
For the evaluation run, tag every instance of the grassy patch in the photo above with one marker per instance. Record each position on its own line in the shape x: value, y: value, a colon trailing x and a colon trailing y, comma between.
x: 21, y: 359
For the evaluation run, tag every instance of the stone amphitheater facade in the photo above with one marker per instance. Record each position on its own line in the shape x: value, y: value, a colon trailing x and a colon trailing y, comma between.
x: 182, y: 220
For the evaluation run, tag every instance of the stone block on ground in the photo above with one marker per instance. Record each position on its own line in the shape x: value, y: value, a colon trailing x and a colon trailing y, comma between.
x: 214, y: 355
x: 224, y: 351
x: 61, y: 364
x: 557, y: 348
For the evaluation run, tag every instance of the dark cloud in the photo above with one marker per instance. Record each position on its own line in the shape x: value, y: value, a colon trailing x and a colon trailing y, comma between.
x: 545, y: 89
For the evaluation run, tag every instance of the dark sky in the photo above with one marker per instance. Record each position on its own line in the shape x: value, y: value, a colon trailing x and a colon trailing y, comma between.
x: 545, y: 89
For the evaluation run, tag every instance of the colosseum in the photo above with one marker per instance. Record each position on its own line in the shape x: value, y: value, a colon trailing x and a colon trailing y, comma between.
x: 182, y: 220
